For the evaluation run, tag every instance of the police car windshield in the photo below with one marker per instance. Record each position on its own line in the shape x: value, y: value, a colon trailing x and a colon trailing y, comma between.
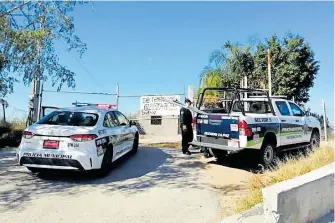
x: 69, y: 118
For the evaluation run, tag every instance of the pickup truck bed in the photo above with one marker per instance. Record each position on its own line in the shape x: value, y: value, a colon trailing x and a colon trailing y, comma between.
x: 266, y: 124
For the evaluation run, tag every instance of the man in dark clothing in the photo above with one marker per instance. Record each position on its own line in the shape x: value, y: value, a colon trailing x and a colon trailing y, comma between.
x: 186, y: 127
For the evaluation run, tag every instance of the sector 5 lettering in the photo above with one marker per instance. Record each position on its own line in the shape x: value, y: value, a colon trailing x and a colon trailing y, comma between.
x: 262, y: 119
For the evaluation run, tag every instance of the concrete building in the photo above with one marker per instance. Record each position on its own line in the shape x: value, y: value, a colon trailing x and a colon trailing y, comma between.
x: 160, y: 125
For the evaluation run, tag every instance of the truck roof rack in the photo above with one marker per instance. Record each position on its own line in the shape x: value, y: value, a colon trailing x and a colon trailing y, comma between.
x: 272, y: 96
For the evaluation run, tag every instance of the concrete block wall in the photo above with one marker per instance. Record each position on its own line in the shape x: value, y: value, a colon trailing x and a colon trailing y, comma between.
x: 303, y: 199
x: 169, y: 126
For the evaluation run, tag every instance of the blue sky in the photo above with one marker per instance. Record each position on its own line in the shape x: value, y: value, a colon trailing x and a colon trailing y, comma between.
x: 159, y: 47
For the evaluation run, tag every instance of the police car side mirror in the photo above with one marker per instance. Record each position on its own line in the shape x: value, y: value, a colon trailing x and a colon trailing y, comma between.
x: 131, y: 123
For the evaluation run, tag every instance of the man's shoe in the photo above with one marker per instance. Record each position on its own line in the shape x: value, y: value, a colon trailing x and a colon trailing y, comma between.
x: 188, y: 153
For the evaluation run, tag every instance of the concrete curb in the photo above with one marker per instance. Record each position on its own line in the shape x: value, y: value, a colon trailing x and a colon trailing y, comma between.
x: 253, y: 215
x: 305, y: 198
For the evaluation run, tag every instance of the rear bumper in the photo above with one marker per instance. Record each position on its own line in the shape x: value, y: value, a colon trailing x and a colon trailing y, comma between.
x: 48, y: 159
x: 216, y: 146
x: 51, y: 163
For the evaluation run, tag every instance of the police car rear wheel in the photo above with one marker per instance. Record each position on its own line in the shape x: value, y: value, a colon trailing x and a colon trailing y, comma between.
x: 135, y: 144
x: 268, y: 155
x: 33, y: 170
x: 106, y: 163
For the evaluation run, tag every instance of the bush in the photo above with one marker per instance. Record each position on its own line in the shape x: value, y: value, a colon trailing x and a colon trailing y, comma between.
x: 11, y: 133
x: 290, y: 167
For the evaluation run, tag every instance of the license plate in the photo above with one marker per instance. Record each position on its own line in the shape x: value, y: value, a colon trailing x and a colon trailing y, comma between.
x: 50, y: 144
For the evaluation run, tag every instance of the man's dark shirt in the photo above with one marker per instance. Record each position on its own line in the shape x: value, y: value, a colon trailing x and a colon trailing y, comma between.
x: 185, y: 117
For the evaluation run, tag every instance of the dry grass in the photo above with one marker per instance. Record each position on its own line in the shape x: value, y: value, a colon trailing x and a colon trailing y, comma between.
x: 289, y: 167
x: 165, y: 145
x: 18, y: 124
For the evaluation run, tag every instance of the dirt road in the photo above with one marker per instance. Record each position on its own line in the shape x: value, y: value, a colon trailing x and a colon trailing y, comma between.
x: 155, y: 185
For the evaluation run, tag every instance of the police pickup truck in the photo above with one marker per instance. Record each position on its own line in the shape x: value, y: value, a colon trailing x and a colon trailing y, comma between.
x: 251, y: 119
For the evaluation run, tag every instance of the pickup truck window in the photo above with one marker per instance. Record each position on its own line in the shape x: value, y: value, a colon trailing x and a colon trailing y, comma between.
x: 256, y: 107
x: 282, y: 107
x: 296, y: 110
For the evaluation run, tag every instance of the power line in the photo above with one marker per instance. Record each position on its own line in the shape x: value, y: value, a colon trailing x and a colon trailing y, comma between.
x: 82, y: 65
x: 18, y: 109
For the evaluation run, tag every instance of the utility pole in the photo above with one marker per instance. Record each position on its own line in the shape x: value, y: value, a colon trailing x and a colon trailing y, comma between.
x: 34, y: 98
x: 3, y: 102
x: 324, y: 119
x: 269, y: 73
x: 117, y: 96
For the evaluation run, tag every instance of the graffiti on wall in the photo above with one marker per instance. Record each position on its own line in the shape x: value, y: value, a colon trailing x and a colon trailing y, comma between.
x: 154, y: 105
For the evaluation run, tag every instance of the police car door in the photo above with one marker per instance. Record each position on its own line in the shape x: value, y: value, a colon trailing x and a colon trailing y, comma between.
x: 113, y: 133
x: 127, y: 134
x: 300, y: 123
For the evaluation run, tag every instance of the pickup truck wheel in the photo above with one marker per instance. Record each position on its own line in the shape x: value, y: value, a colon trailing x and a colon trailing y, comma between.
x: 315, y: 140
x: 219, y: 154
x: 268, y: 155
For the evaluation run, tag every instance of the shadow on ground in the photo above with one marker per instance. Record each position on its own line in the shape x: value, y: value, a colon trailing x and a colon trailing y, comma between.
x: 249, y: 160
x: 148, y: 168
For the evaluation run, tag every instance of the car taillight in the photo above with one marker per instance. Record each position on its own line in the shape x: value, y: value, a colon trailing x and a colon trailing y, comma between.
x: 83, y: 137
x: 27, y: 135
x: 243, y: 128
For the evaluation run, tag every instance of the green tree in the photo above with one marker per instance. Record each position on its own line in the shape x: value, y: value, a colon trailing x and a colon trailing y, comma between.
x: 293, y: 66
x: 227, y: 66
x: 27, y: 36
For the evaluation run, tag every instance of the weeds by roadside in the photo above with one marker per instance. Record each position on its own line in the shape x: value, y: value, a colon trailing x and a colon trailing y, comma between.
x: 289, y: 167
x: 165, y: 145
x: 11, y: 133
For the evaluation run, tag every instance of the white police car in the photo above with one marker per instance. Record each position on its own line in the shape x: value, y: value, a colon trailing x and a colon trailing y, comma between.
x: 78, y: 138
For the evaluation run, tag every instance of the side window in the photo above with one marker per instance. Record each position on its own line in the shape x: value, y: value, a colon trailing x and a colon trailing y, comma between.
x: 296, y: 110
x: 282, y: 107
x: 122, y: 119
x: 110, y: 120
x: 106, y: 121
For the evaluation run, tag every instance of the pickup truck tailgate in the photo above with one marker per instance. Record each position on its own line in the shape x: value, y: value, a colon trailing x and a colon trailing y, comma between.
x: 220, y: 129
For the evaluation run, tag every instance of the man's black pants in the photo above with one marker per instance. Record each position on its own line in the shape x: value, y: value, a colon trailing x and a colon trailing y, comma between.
x: 187, y: 136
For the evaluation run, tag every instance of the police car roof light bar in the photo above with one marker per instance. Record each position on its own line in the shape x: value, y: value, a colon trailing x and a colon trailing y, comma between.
x: 81, y: 104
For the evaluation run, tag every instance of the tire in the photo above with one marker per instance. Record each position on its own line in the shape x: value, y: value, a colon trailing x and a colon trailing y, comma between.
x: 219, y: 154
x: 135, y: 145
x: 268, y: 154
x: 315, y: 140
x: 205, y: 152
x: 106, y: 163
